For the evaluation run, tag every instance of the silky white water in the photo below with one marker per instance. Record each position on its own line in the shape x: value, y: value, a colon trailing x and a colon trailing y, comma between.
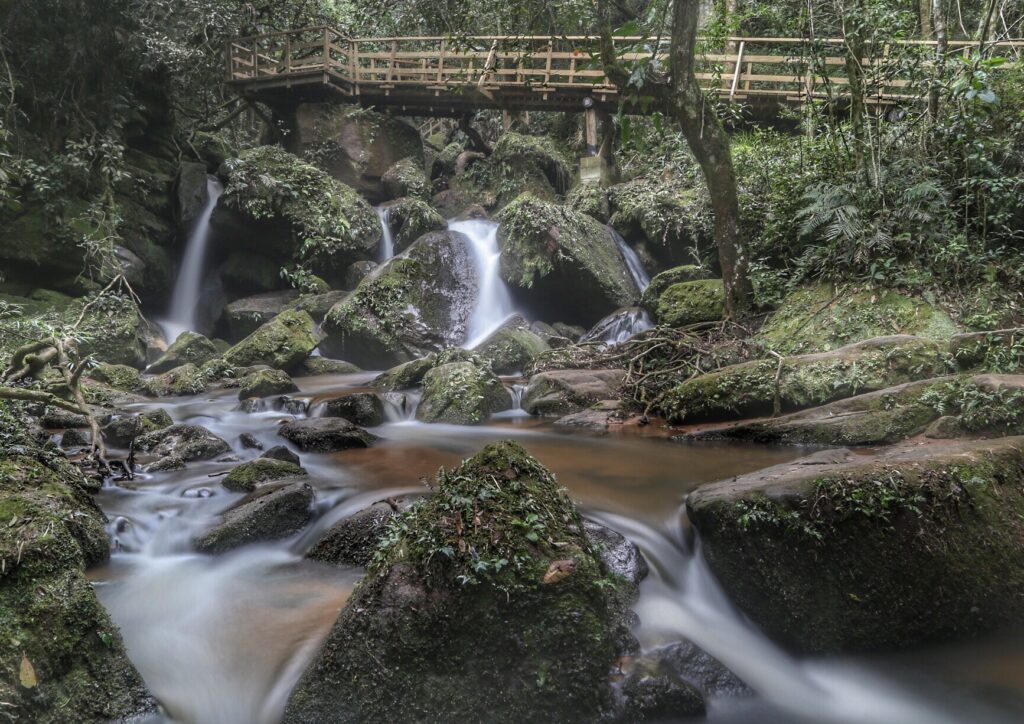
x: 494, y: 302
x: 636, y: 269
x: 387, y: 239
x: 187, y: 287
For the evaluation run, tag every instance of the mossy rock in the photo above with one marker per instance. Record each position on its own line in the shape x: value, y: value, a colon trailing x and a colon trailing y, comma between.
x: 751, y: 389
x: 662, y: 281
x: 406, y: 177
x: 319, y: 304
x: 510, y: 350
x: 313, y: 366
x: 270, y: 515
x: 242, y: 317
x: 819, y: 317
x: 1000, y: 350
x: 687, y: 303
x: 120, y: 377
x: 353, y: 541
x: 188, y: 348
x: 264, y: 383
x: 853, y: 553
x: 59, y: 648
x: 409, y: 219
x: 461, y: 393
x: 406, y: 375
x: 112, y: 330
x: 282, y: 343
x: 245, y: 478
x: 589, y: 199
x: 359, y: 408
x: 673, y: 219
x: 557, y: 258
x: 487, y: 597
x: 180, y: 381
x: 120, y: 430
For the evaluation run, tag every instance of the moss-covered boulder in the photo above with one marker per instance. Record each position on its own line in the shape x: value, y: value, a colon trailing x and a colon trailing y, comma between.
x: 244, y: 316
x: 918, y: 543
x: 183, y: 443
x: 184, y: 380
x: 359, y: 408
x: 486, y: 600
x: 120, y: 430
x: 271, y: 514
x: 406, y: 375
x: 461, y: 393
x: 318, y: 304
x: 662, y: 281
x: 282, y: 343
x: 409, y: 219
x: 325, y: 434
x: 820, y: 317
x: 62, y: 656
x: 562, y: 392
x: 511, y: 348
x: 689, y: 303
x: 120, y: 377
x: 671, y: 219
x: 112, y: 330
x: 189, y: 347
x: 770, y: 385
x: 405, y: 177
x: 264, y: 383
x: 589, y: 199
x: 353, y: 541
x: 246, y: 477
x: 557, y: 258
x: 415, y: 304
x: 1000, y: 350
x: 313, y: 366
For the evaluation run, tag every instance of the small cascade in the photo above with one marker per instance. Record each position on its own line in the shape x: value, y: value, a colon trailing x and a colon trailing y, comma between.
x: 494, y: 303
x: 515, y: 391
x: 631, y: 322
x: 187, y: 287
x: 387, y: 239
x: 401, y: 406
x: 636, y: 269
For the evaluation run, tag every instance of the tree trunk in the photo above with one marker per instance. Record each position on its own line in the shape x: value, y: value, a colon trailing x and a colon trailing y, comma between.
x: 925, y: 14
x: 853, y: 35
x: 709, y: 144
x: 941, y: 43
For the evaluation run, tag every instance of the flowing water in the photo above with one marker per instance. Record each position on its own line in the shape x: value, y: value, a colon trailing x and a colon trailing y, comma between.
x: 494, y: 302
x: 224, y: 638
x: 636, y: 269
x: 185, y: 300
x: 387, y: 239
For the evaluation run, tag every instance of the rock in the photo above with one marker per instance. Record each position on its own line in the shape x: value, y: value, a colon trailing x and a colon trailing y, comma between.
x: 74, y: 438
x: 662, y: 281
x: 619, y: 326
x: 406, y: 375
x: 264, y: 383
x: 913, y: 544
x: 270, y: 516
x: 242, y: 317
x: 248, y: 441
x: 280, y: 452
x: 994, y: 351
x: 357, y: 271
x: 589, y: 199
x: 819, y: 317
x: 749, y: 389
x: 282, y: 343
x: 556, y: 258
x: 184, y: 380
x: 946, y: 427
x: 246, y: 477
x: 359, y: 408
x: 477, y: 638
x: 120, y: 377
x: 352, y: 541
x: 705, y: 672
x: 670, y: 219
x: 572, y: 332
x: 416, y: 304
x: 592, y: 420
x: 655, y: 694
x: 184, y: 442
x: 281, y: 403
x: 406, y: 178
x: 461, y: 393
x: 325, y: 434
x: 245, y: 273
x: 61, y: 419
x: 563, y: 392
x: 620, y: 555
x: 120, y: 430
x: 54, y: 632
x: 689, y: 303
x: 985, y: 404
x: 191, y: 192
x: 552, y: 337
x: 112, y: 331
x: 409, y: 219
x: 188, y: 348
x: 318, y: 305
x: 314, y: 366
x: 511, y: 348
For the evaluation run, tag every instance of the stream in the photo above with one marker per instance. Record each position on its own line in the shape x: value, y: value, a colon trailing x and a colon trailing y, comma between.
x: 224, y: 638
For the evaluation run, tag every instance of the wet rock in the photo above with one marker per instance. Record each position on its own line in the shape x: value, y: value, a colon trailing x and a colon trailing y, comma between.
x: 248, y: 441
x: 591, y: 420
x: 618, y: 326
x: 272, y: 515
x: 120, y: 377
x: 313, y: 366
x: 353, y: 541
x: 551, y: 336
x: 653, y: 694
x: 326, y: 434
x: 189, y: 347
x: 510, y: 349
x: 357, y: 271
x: 620, y: 555
x: 406, y: 375
x: 661, y: 282
x: 280, y: 452
x: 74, y: 438
x: 705, y: 672
x: 185, y: 442
x: 453, y: 638
x: 666, y: 215
x: 461, y: 393
x: 572, y: 332
x: 291, y: 405
x: 912, y: 544
x: 264, y: 383
x: 61, y: 419
x: 411, y: 218
x: 120, y: 430
x: 689, y: 303
x: 416, y: 304
x: 359, y: 408
x: 562, y: 392
x: 319, y: 304
x: 755, y: 388
x: 242, y: 317
x: 191, y: 192
x: 282, y: 343
x: 246, y: 477
x: 407, y: 178
x: 184, y: 380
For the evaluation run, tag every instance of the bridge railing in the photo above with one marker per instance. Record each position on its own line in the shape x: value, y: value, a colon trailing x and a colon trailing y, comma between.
x: 785, y: 68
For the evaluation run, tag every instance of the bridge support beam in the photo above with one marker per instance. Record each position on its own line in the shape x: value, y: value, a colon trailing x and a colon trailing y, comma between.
x: 597, y: 167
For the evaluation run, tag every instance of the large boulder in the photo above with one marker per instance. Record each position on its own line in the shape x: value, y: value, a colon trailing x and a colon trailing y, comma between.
x: 247, y: 477
x: 112, y: 330
x: 282, y: 343
x: 556, y: 258
x: 352, y: 541
x: 409, y: 219
x: 669, y: 219
x: 562, y: 392
x: 662, y: 281
x: 264, y: 383
x: 184, y: 380
x: 120, y: 430
x: 192, y: 192
x: 486, y: 598
x: 461, y: 393
x: 510, y: 349
x: 271, y: 515
x: 687, y: 303
x: 914, y: 544
x: 354, y: 145
x: 405, y: 178
x: 188, y: 348
x: 181, y: 444
x: 415, y: 304
x: 359, y: 408
x: 244, y: 316
x: 61, y: 654
x: 771, y: 385
x: 325, y: 434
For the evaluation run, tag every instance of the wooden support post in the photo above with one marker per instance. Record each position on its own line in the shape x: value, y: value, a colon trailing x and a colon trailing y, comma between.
x: 327, y: 50
x: 590, y: 126
x: 287, y: 54
x: 737, y: 72
x: 391, y: 61
x: 440, y: 63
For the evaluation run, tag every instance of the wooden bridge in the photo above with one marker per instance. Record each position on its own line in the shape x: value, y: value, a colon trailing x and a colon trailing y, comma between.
x: 437, y: 76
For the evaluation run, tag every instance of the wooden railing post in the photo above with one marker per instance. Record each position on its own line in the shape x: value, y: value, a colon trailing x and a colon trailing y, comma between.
x: 288, y: 53
x: 737, y: 72
x: 440, y: 63
x: 327, y: 50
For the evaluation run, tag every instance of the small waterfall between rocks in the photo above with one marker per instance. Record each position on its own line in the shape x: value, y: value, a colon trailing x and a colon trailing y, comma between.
x: 636, y: 269
x: 494, y: 302
x: 187, y: 287
x: 387, y: 239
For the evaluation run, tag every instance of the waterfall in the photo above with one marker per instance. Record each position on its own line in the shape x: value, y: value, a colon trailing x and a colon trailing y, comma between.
x: 185, y: 298
x: 387, y: 240
x: 494, y: 302
x: 636, y: 269
x: 631, y: 322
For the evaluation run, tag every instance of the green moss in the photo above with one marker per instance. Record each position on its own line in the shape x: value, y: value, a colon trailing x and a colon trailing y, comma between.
x: 406, y: 178
x: 518, y: 164
x: 687, y: 303
x: 991, y: 404
x: 590, y: 199
x: 461, y: 393
x: 184, y: 380
x: 264, y: 383
x: 281, y: 343
x: 511, y: 350
x: 663, y: 280
x: 411, y: 218
x: 120, y: 377
x: 673, y: 218
x: 246, y: 477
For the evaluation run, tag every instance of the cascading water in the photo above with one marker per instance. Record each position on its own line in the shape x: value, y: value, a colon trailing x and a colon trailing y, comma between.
x: 494, y: 302
x: 636, y: 269
x: 387, y: 239
x: 187, y: 287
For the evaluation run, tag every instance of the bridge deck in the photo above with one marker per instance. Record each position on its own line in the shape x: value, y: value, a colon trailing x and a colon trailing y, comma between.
x: 436, y: 76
